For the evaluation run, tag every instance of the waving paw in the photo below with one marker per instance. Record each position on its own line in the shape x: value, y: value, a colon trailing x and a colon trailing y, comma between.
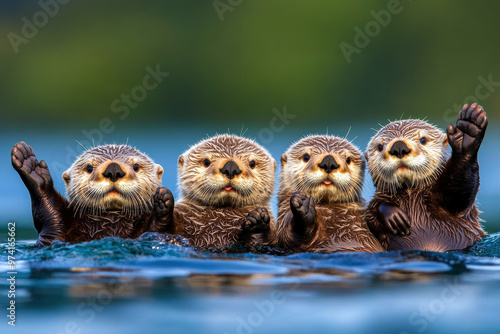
x: 467, y: 135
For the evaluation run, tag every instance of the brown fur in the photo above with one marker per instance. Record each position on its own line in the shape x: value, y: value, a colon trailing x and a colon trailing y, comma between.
x: 211, y: 217
x: 339, y: 224
x: 98, y: 207
x: 419, y: 190
x: 433, y: 228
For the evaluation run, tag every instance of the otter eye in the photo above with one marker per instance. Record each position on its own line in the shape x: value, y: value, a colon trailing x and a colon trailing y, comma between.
x: 252, y: 164
x: 206, y: 162
x: 380, y: 147
x: 306, y: 157
x: 89, y: 169
x: 135, y: 167
x: 423, y: 140
x: 348, y: 160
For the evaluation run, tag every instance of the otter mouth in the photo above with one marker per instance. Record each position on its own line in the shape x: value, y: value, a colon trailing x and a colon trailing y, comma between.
x: 113, y: 192
x: 403, y: 168
x: 228, y: 189
x: 327, y: 182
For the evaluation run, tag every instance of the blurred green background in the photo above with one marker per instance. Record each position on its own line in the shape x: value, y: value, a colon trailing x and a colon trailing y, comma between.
x: 262, y: 54
x: 68, y: 68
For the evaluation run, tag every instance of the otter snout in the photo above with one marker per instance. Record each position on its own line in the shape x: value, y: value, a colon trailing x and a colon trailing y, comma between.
x: 399, y: 149
x: 113, y: 172
x: 230, y: 169
x: 328, y: 164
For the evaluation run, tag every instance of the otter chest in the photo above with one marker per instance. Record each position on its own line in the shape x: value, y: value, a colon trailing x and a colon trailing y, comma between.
x: 433, y: 228
x: 343, y: 229
x: 98, y: 227
x: 214, y: 227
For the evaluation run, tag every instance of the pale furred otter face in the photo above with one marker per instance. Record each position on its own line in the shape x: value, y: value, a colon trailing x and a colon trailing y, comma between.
x: 328, y: 168
x: 112, y: 177
x: 407, y: 153
x: 227, y: 170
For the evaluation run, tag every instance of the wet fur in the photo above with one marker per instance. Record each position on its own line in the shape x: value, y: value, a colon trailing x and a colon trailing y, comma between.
x: 439, y: 204
x: 211, y: 226
x: 339, y: 224
x: 84, y: 218
x: 433, y: 228
x: 206, y: 216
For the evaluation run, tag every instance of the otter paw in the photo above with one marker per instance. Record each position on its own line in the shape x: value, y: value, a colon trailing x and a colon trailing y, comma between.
x: 394, y: 219
x: 34, y: 174
x: 257, y: 221
x: 467, y: 135
x: 163, y: 204
x: 303, y: 208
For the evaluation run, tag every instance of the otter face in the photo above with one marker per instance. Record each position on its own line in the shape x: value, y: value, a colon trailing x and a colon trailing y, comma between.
x: 227, y: 170
x: 328, y: 168
x: 408, y: 153
x: 112, y: 177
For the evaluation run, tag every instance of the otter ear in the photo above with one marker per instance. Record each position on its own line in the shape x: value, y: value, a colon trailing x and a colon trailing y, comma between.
x: 181, y: 161
x: 66, y: 178
x: 445, y: 140
x: 283, y: 159
x: 366, y: 156
x: 159, y: 171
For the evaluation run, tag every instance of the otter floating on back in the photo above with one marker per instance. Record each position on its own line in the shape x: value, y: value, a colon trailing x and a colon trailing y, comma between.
x: 226, y: 184
x: 320, y: 203
x: 113, y: 191
x: 425, y: 200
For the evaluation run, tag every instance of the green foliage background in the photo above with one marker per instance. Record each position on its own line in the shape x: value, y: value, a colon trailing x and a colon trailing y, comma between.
x: 263, y: 54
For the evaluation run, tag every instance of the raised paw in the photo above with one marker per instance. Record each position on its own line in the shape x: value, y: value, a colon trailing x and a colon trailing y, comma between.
x: 257, y: 221
x: 303, y: 209
x: 467, y: 135
x: 394, y: 219
x: 163, y: 206
x: 35, y: 175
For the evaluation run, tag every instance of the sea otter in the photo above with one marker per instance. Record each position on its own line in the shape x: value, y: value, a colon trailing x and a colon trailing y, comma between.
x: 424, y: 200
x: 226, y: 183
x: 320, y: 204
x: 113, y: 191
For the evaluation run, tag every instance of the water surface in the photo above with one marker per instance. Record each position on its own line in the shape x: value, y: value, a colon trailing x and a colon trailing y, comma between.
x: 154, y: 285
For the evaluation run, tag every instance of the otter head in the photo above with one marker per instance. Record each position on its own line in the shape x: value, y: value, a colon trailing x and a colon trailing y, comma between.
x: 227, y: 170
x: 328, y: 168
x: 407, y: 153
x: 112, y: 177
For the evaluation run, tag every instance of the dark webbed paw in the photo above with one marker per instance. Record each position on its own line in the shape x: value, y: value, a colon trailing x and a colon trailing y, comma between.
x: 35, y: 175
x: 163, y: 206
x: 394, y: 219
x: 467, y: 135
x: 303, y: 209
x: 257, y: 221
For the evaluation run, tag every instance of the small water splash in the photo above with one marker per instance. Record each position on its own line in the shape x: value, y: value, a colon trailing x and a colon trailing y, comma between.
x: 106, y: 250
x: 155, y: 255
x: 489, y: 246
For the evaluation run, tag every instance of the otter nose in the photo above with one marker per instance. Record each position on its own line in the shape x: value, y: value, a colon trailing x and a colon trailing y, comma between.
x: 328, y: 164
x: 113, y: 172
x: 230, y: 169
x: 399, y: 149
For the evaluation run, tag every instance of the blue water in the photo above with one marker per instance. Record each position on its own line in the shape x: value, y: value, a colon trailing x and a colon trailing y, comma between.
x: 154, y: 285
x: 161, y: 285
